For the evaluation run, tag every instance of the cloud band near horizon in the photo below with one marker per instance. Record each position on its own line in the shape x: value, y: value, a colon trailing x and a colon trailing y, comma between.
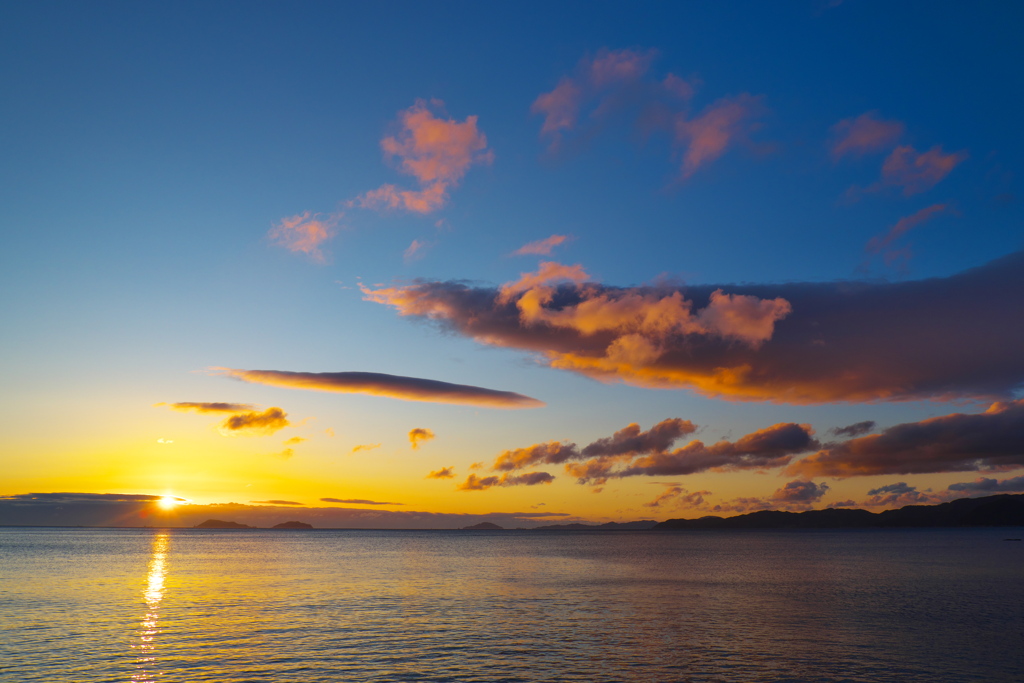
x: 390, y: 386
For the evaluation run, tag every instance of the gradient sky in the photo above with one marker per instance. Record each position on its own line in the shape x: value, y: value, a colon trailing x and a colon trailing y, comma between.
x: 440, y: 257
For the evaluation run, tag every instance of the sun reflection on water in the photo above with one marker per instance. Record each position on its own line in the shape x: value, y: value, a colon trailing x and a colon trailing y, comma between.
x: 153, y: 595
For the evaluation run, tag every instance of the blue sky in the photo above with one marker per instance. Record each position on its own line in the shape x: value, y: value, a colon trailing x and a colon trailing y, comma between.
x: 149, y: 149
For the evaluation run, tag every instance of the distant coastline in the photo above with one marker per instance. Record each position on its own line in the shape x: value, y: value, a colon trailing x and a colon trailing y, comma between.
x: 1004, y: 510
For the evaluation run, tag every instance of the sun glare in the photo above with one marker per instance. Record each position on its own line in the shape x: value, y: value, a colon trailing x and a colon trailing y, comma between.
x: 167, y: 503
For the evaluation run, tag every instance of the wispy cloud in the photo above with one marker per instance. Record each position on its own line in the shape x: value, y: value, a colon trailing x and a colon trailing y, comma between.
x: 540, y: 247
x: 436, y: 151
x: 197, y: 407
x: 864, y: 134
x: 294, y: 440
x: 617, y: 84
x: 708, y: 136
x: 807, y: 342
x: 305, y: 233
x: 391, y: 386
x: 676, y: 496
x: 356, y: 501
x: 276, y: 502
x: 365, y: 447
x: 882, y: 243
x: 915, y: 172
x: 419, y: 436
x: 415, y: 251
x: 855, y: 429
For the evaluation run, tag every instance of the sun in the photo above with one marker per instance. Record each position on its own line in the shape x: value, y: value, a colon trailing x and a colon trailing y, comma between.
x: 168, y: 503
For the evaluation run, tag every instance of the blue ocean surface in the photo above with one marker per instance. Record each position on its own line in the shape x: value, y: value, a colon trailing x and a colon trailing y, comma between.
x: 932, y: 605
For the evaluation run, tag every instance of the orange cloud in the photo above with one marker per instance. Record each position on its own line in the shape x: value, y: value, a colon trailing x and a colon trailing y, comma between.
x: 294, y: 440
x: 958, y: 442
x: 678, y: 496
x: 475, y: 483
x: 720, y: 125
x: 436, y: 151
x: 305, y: 233
x: 917, y: 172
x: 365, y: 447
x: 809, y: 342
x: 864, y: 134
x: 540, y: 247
x: 244, y: 419
x: 443, y: 473
x: 256, y: 424
x: 391, y: 386
x: 420, y: 436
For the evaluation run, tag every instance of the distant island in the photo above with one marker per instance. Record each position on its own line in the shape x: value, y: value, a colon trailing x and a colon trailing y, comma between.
x: 1001, y: 510
x: 483, y: 526
x: 221, y: 524
x: 292, y: 525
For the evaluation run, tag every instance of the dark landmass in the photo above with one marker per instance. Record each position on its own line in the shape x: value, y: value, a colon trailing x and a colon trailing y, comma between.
x: 483, y: 526
x: 1002, y: 510
x: 292, y: 525
x: 221, y: 524
x: 641, y: 525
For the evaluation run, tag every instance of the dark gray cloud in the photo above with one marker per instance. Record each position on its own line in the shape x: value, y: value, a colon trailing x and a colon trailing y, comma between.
x: 959, y: 442
x: 800, y: 492
x: 199, y: 407
x: 276, y: 502
x: 854, y: 430
x: 938, y: 338
x: 986, y: 485
x: 391, y: 386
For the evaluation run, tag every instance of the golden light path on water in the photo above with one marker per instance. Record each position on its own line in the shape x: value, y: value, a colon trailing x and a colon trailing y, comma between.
x: 153, y: 595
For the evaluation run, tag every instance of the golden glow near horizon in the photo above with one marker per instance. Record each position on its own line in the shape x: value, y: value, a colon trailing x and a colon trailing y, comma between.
x: 168, y: 503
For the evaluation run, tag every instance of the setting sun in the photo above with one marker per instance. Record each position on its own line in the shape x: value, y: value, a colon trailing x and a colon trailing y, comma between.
x: 168, y: 503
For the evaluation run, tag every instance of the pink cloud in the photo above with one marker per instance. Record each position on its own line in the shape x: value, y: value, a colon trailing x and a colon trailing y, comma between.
x: 864, y: 134
x: 541, y: 247
x: 882, y: 242
x: 609, y: 83
x: 709, y: 135
x: 415, y: 251
x: 917, y: 172
x: 560, y: 107
x: 616, y: 66
x: 436, y: 151
x: 305, y: 233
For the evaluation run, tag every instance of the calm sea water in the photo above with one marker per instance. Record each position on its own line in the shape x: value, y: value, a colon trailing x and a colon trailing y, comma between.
x: 187, y: 605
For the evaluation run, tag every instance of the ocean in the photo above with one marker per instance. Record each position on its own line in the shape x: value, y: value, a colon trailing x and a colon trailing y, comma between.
x: 89, y: 605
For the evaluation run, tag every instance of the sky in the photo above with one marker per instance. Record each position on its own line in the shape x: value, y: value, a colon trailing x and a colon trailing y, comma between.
x: 395, y: 264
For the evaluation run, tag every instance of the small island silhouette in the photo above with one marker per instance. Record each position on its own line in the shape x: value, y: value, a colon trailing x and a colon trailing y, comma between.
x: 221, y: 524
x: 483, y: 526
x: 292, y: 525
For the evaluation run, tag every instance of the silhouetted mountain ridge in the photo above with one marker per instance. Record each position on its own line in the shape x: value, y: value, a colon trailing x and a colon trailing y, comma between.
x: 1001, y: 510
